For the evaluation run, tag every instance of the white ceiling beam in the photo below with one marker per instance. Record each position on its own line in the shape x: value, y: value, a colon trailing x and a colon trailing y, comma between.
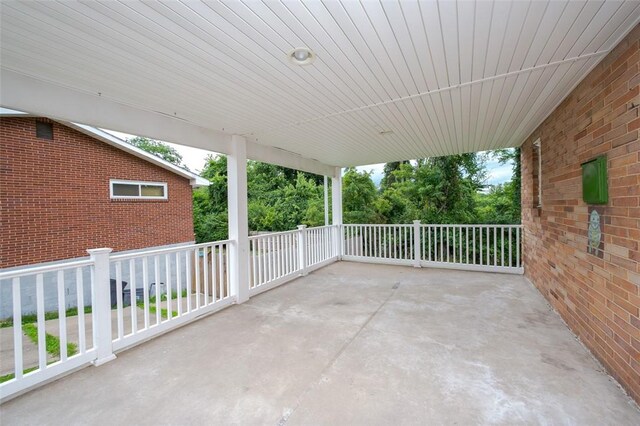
x: 37, y: 97
x: 284, y: 158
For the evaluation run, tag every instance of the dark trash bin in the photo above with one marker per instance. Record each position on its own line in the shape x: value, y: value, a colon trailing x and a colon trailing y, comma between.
x: 114, y: 291
x: 126, y: 295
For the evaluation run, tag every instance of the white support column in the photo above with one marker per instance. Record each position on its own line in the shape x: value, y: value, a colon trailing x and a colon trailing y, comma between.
x: 101, y: 305
x: 302, y: 249
x: 336, y: 210
x: 326, y: 201
x: 416, y: 244
x: 238, y: 219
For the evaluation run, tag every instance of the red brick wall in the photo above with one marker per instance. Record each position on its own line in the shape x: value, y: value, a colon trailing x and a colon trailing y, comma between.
x: 55, y: 203
x: 599, y: 297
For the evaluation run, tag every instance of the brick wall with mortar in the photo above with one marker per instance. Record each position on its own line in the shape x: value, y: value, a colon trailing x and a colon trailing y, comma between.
x: 55, y: 202
x: 598, y: 297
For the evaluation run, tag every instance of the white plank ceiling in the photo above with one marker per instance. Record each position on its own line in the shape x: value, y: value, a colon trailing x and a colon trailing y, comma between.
x: 392, y: 80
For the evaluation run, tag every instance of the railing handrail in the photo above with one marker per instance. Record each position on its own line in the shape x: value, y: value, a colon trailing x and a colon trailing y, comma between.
x: 20, y: 271
x: 378, y: 225
x: 272, y: 234
x: 167, y: 250
x: 321, y: 227
x: 508, y: 225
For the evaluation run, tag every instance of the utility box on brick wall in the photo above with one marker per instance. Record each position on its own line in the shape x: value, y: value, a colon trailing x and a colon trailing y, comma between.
x: 594, y: 181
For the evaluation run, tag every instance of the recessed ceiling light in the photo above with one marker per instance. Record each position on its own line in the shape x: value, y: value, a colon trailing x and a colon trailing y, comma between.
x: 302, y: 56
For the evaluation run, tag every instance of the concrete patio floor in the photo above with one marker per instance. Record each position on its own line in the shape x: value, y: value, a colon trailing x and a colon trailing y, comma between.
x: 351, y: 344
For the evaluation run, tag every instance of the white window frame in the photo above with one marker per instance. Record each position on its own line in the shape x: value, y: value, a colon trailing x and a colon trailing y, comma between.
x: 139, y: 183
x: 538, y: 145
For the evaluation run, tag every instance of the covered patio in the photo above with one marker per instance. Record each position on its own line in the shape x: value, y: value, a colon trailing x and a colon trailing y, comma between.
x: 319, y: 86
x: 352, y: 343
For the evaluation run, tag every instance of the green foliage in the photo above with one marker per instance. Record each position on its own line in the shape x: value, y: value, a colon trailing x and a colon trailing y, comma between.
x: 358, y: 197
x: 434, y: 190
x: 52, y: 343
x: 10, y: 376
x: 504, y: 156
x: 158, y: 148
x: 32, y: 318
x: 279, y: 199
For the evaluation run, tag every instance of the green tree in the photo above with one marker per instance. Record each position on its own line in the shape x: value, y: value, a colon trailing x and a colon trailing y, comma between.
x: 446, y: 187
x: 513, y: 155
x: 160, y: 149
x: 210, y: 209
x: 389, y: 176
x: 358, y: 197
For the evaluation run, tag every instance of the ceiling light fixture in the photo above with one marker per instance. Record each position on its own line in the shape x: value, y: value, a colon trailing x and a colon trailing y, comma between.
x: 302, y: 56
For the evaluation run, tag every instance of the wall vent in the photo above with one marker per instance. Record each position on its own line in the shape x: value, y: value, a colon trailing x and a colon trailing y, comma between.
x: 44, y: 130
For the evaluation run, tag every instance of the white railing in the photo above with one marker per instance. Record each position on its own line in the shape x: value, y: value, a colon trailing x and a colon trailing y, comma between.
x: 320, y: 247
x: 69, y: 314
x: 384, y: 243
x: 477, y: 247
x: 156, y: 290
x: 495, y: 248
x: 279, y: 257
x: 273, y: 259
x: 47, y: 342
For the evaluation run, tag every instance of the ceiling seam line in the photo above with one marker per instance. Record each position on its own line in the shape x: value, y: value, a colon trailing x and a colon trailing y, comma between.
x: 436, y: 91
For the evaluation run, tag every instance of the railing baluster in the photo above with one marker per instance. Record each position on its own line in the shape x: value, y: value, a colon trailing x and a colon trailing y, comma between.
x: 42, y: 348
x: 518, y: 246
x: 221, y: 251
x: 480, y: 233
x: 133, y: 296
x: 205, y: 274
x: 459, y: 241
x: 156, y: 277
x: 215, y: 280
x: 17, y: 328
x: 488, y: 246
x: 119, y: 304
x: 447, y: 238
x: 226, y: 269
x: 189, y: 284
x: 495, y: 246
x: 265, y: 261
x: 145, y: 290
x: 394, y: 239
x: 269, y: 258
x: 279, y: 254
x: 62, y: 317
x: 510, y: 244
x: 287, y: 253
x: 454, y: 237
x: 178, y: 284
x: 428, y: 228
x: 502, y: 246
x: 374, y: 231
x: 168, y: 286
x: 254, y: 270
x: 196, y: 254
x: 466, y: 238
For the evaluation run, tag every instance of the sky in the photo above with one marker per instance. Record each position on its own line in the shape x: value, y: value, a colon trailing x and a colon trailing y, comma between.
x: 194, y: 158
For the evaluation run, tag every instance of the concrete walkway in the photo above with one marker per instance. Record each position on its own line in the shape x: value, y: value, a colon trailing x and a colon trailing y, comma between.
x: 351, y: 344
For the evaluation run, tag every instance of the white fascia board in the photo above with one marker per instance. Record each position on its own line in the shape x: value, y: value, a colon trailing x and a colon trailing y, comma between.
x: 37, y: 97
x: 6, y: 112
x: 40, y: 98
x: 194, y: 179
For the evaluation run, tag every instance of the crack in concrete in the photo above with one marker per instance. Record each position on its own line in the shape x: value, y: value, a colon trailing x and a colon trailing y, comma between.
x: 283, y: 420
